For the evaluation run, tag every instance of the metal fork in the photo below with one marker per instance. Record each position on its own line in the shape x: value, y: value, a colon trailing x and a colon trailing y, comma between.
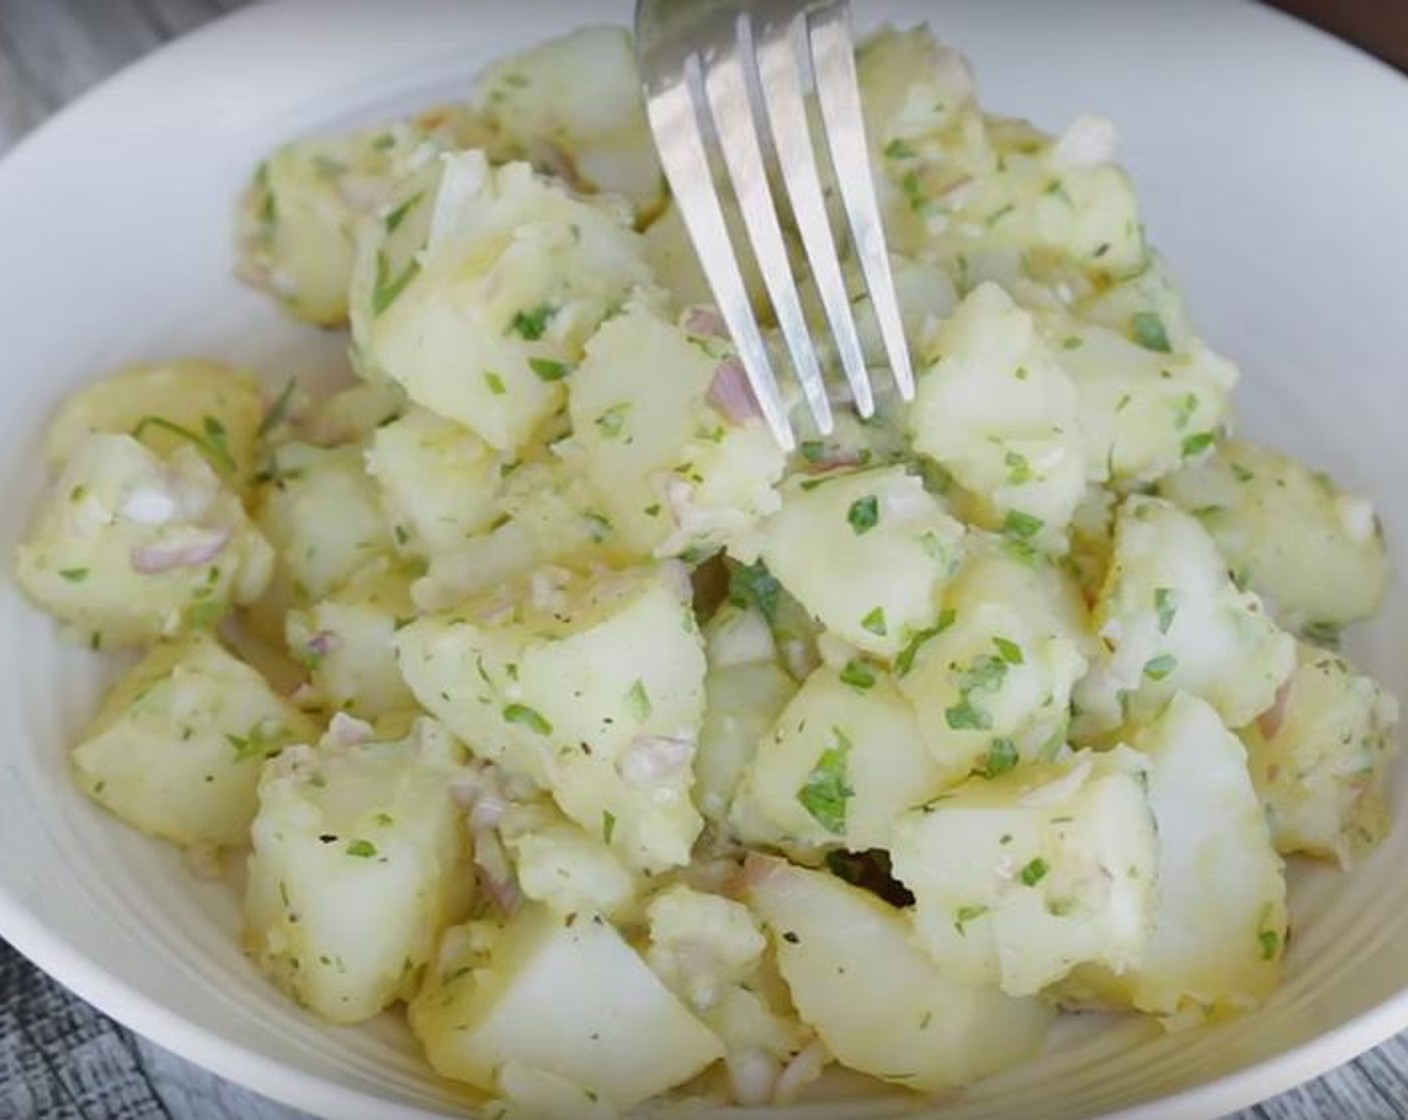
x: 716, y: 61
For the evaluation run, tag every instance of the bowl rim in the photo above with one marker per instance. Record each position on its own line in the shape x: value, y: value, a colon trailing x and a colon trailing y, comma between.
x: 288, y: 1085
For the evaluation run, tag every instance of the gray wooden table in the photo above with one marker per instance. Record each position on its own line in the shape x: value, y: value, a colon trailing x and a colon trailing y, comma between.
x: 59, y: 1058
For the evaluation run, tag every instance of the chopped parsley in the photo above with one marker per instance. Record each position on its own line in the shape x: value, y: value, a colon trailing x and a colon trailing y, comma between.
x: 1241, y: 473
x: 362, y: 849
x: 875, y: 622
x: 864, y: 514
x: 1166, y: 605
x: 397, y: 216
x: 899, y: 149
x: 612, y: 422
x: 386, y: 290
x: 547, y: 369
x: 1198, y: 443
x: 211, y: 444
x: 825, y: 792
x: 1018, y: 469
x: 1000, y: 213
x: 532, y: 324
x: 1001, y: 757
x: 608, y: 825
x: 638, y: 700
x: 1270, y: 942
x: 965, y: 717
x: 1072, y: 342
x: 495, y: 383
x: 1159, y: 668
x: 858, y: 674
x: 599, y: 527
x: 1149, y: 331
x: 1022, y: 526
x: 74, y: 575
x: 528, y: 717
x: 278, y: 410
x: 1325, y: 634
x: 965, y: 914
x: 905, y: 661
x: 1034, y: 872
x: 813, y: 450
x: 755, y: 586
x: 1011, y: 652
x: 260, y: 742
x: 1184, y: 412
x: 985, y: 674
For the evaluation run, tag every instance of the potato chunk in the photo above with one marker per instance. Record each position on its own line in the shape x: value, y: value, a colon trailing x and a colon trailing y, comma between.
x: 1020, y: 878
x: 563, y: 866
x: 573, y: 104
x: 298, y: 215
x: 842, y: 762
x: 593, y: 688
x: 561, y: 994
x: 178, y: 744
x: 745, y: 691
x: 357, y: 867
x: 1171, y: 619
x: 1144, y: 410
x: 212, y: 407
x: 867, y: 552
x: 546, y: 515
x: 439, y: 482
x: 990, y: 682
x: 1314, y: 552
x: 671, y: 471
x: 129, y: 547
x: 1318, y: 757
x: 480, y: 299
x: 996, y: 410
x: 323, y: 515
x: 877, y: 1000
x: 1220, y: 910
x: 345, y: 640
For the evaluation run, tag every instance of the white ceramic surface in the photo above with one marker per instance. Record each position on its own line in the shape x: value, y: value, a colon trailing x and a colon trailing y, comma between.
x: 1273, y: 170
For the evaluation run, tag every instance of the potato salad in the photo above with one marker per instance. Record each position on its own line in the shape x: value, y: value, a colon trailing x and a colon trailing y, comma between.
x: 532, y: 693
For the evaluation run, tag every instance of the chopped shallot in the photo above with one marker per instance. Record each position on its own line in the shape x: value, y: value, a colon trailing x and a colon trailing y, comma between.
x: 731, y: 394
x: 704, y: 321
x: 1270, y: 721
x: 804, y: 1068
x: 152, y: 559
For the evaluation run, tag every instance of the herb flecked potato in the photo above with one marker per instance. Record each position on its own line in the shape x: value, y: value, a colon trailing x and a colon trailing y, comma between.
x: 640, y: 763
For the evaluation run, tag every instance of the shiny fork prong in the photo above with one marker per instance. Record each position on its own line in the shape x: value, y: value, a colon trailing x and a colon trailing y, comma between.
x: 838, y: 93
x: 674, y: 113
x: 780, y: 77
x: 730, y: 103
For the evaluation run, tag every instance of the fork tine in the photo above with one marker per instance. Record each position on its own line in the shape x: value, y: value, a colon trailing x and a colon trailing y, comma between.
x: 726, y: 86
x: 838, y: 91
x: 673, y: 113
x: 781, y: 81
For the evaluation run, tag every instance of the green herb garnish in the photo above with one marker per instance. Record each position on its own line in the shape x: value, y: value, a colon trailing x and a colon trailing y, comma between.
x: 1034, y: 872
x: 825, y: 792
x: 386, y: 290
x: 858, y: 674
x: 528, y: 717
x: 532, y: 324
x: 1149, y: 332
x: 1159, y: 668
x: 864, y: 514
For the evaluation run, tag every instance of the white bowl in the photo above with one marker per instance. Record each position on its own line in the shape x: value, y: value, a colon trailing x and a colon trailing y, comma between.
x: 1273, y: 174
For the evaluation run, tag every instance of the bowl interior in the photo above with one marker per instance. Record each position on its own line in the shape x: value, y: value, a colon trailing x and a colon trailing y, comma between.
x: 1284, y: 222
